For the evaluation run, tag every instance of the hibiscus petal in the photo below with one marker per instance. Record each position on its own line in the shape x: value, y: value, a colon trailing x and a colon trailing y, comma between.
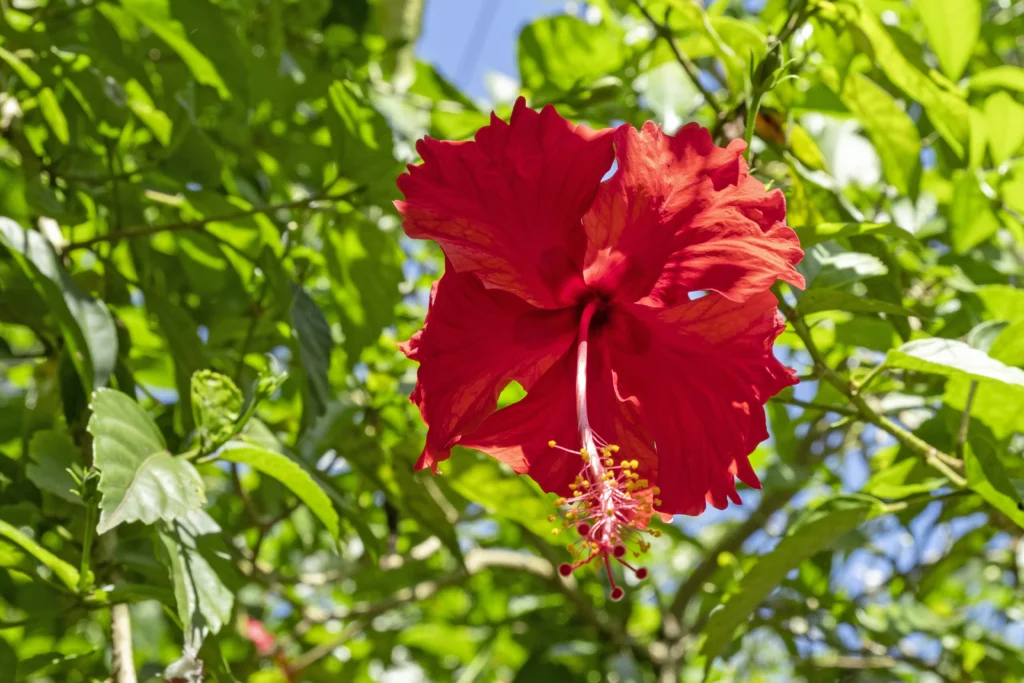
x: 681, y: 215
x: 507, y: 205
x: 700, y: 372
x: 519, y: 434
x: 473, y: 343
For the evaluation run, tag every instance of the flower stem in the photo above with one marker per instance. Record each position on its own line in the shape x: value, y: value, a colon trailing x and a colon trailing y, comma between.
x: 84, y: 572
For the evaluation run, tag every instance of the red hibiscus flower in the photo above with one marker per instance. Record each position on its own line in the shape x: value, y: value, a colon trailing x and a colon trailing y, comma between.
x: 642, y: 394
x: 258, y: 634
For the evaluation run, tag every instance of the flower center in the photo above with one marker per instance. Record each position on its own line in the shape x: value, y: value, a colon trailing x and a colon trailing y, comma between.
x: 610, y: 504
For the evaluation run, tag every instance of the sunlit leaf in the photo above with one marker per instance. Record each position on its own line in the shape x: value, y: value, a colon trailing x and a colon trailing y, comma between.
x: 139, y: 479
x: 952, y: 27
x: 288, y: 472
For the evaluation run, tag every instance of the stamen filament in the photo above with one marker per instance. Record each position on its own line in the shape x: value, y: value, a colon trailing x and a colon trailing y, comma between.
x: 610, y: 504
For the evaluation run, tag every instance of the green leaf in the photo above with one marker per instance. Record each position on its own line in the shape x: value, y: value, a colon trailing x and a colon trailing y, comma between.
x: 313, y: 334
x: 983, y: 335
x: 204, y: 602
x: 155, y: 15
x: 987, y: 475
x: 829, y: 265
x: 1005, y: 77
x: 29, y: 77
x: 951, y: 358
x: 361, y: 140
x: 947, y: 110
x: 972, y: 220
x: 88, y: 328
x: 288, y: 472
x: 67, y: 574
x: 1005, y: 117
x: 142, y: 106
x: 365, y: 264
x: 563, y: 53
x: 53, y: 453
x: 952, y: 28
x: 504, y: 494
x: 890, y: 128
x: 139, y: 479
x: 1000, y: 407
x: 818, y: 300
x: 216, y: 406
x: 821, y: 232
x: 816, y: 530
x: 51, y: 110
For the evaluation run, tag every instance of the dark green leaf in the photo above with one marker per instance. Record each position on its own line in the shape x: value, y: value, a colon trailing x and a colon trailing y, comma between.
x: 86, y: 324
x: 53, y: 454
x: 313, y: 334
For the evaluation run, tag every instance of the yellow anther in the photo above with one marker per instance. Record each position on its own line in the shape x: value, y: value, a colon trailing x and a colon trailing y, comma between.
x: 571, y: 516
x: 634, y: 464
x: 656, y: 533
x: 613, y: 448
x: 657, y: 501
x: 551, y: 518
x: 583, y: 451
x: 609, y: 462
x: 586, y: 484
x: 624, y: 463
x: 559, y: 501
x: 555, y: 532
x: 655, y: 490
x: 552, y: 444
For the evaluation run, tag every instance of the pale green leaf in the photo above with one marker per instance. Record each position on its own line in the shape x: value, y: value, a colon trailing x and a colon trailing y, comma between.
x: 890, y: 129
x: 1005, y: 117
x: 947, y: 110
x: 142, y: 106
x: 1006, y: 77
x: 204, y: 602
x: 288, y: 472
x: 829, y: 265
x: 563, y: 53
x: 952, y: 28
x: 67, y: 574
x: 950, y: 357
x: 139, y: 479
x: 51, y: 110
x: 972, y: 220
x: 29, y: 77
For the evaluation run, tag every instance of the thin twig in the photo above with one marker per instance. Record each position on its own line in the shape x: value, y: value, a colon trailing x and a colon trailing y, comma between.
x: 688, y: 66
x: 200, y: 223
x: 965, y: 421
x: 932, y: 455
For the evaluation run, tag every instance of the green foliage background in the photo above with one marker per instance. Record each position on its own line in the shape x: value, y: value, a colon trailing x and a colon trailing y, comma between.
x: 204, y: 416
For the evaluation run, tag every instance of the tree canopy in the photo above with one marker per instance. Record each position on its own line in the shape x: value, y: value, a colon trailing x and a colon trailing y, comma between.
x: 206, y: 440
